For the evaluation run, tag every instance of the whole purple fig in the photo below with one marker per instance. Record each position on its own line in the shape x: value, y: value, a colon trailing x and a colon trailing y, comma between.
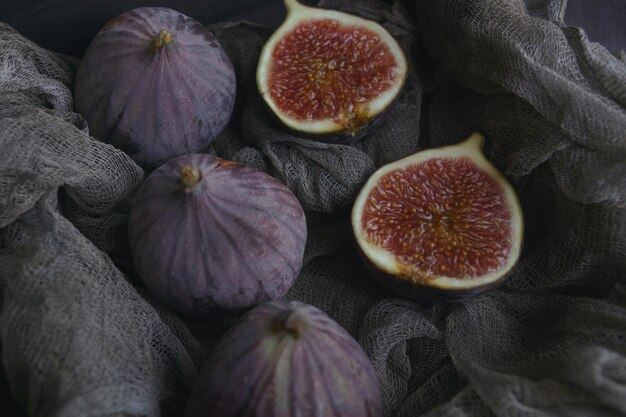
x: 156, y: 84
x: 286, y: 359
x: 206, y: 233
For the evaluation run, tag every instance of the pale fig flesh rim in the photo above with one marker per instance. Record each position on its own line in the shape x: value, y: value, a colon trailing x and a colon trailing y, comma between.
x: 386, y: 262
x: 297, y: 14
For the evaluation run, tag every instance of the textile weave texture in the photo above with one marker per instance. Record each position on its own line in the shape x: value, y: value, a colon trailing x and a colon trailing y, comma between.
x: 79, y: 335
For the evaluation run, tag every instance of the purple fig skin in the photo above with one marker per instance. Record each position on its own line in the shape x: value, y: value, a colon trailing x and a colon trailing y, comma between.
x: 232, y: 240
x: 287, y: 359
x: 155, y: 102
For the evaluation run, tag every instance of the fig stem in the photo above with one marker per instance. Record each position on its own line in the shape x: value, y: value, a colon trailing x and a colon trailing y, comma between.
x: 292, y: 325
x: 190, y: 176
x: 476, y: 140
x: 292, y: 5
x: 163, y: 38
x: 295, y: 326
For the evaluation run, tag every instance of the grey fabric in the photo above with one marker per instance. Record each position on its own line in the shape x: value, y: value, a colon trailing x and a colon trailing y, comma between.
x: 80, y: 337
x: 77, y: 338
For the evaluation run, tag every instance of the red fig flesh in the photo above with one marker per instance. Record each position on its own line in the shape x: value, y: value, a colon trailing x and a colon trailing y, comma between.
x: 442, y: 218
x: 325, y: 71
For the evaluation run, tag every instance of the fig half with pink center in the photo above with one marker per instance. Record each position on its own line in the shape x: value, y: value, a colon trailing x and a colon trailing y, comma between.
x: 325, y: 72
x: 442, y: 222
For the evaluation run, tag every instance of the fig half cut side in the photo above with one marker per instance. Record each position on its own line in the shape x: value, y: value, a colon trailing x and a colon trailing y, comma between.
x: 329, y: 74
x: 443, y: 223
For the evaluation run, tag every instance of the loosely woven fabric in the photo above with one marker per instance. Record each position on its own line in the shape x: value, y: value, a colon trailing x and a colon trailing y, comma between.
x: 79, y: 336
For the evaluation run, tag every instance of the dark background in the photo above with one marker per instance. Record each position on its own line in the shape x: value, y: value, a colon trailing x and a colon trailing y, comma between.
x: 68, y: 25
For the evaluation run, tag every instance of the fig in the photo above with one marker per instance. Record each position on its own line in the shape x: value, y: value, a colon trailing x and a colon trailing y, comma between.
x: 156, y: 84
x: 329, y: 74
x: 209, y: 235
x: 441, y: 224
x: 286, y: 359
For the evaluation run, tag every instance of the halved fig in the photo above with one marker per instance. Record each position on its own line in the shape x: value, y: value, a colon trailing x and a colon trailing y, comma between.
x: 325, y: 72
x: 443, y: 223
